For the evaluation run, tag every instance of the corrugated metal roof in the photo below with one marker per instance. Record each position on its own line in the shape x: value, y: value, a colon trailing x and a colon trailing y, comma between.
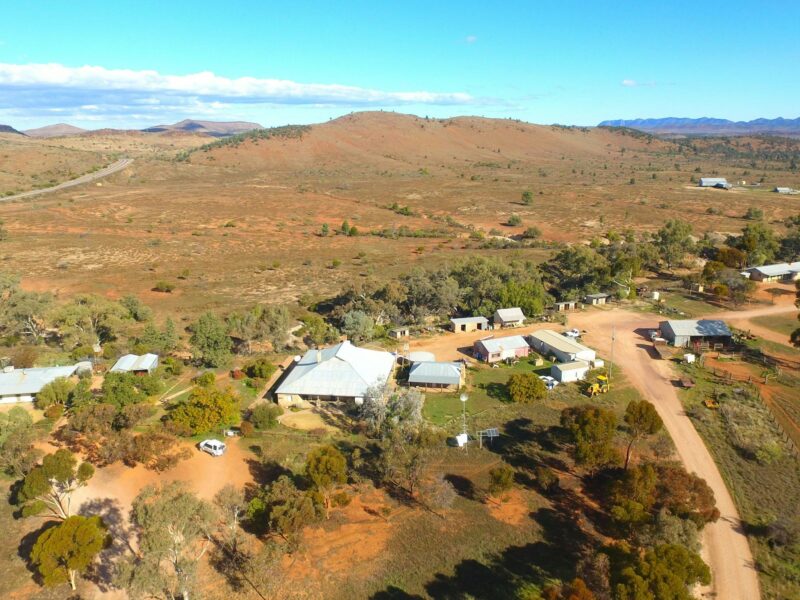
x: 702, y: 327
x: 26, y: 382
x: 439, y: 373
x: 511, y: 342
x: 465, y: 320
x: 777, y: 269
x: 559, y: 342
x: 712, y: 181
x: 134, y: 362
x: 596, y: 296
x: 342, y: 370
x: 571, y: 366
x: 510, y: 314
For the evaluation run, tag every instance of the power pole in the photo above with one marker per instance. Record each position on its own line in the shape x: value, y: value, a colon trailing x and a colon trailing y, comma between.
x: 611, y: 362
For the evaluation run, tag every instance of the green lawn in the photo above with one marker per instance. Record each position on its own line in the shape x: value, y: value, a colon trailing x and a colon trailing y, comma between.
x: 679, y: 304
x: 784, y: 324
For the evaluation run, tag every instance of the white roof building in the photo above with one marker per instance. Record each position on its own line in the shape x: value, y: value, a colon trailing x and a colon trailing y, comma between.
x: 547, y: 341
x: 22, y: 385
x: 132, y: 363
x: 436, y: 374
x: 341, y: 371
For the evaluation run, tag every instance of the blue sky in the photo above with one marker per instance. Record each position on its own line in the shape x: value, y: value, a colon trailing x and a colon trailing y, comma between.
x: 133, y: 64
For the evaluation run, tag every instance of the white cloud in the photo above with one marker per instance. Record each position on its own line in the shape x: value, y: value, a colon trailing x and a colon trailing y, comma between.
x: 471, y: 39
x: 129, y: 86
x: 629, y: 83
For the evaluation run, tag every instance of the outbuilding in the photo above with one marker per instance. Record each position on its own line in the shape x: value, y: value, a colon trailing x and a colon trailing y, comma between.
x: 22, y: 385
x: 595, y: 299
x: 565, y: 305
x: 715, y: 182
x: 508, y: 317
x: 447, y: 376
x: 466, y: 324
x: 138, y: 365
x: 690, y: 332
x: 569, y: 371
x: 549, y: 343
x: 785, y: 190
x: 494, y: 350
x: 399, y: 333
x: 775, y: 272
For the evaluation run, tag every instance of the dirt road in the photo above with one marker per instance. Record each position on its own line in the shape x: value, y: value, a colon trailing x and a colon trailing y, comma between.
x: 725, y: 545
x: 88, y: 178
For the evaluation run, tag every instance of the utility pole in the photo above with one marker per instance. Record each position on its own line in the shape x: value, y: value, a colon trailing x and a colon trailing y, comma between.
x: 611, y: 362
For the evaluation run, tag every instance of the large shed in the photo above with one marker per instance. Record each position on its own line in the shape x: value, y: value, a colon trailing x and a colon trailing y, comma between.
x: 570, y: 371
x: 715, y: 182
x: 689, y: 332
x: 133, y: 363
x: 548, y: 342
x: 494, y: 350
x: 465, y: 324
x: 775, y: 272
x: 437, y: 375
x: 22, y: 385
x: 341, y: 372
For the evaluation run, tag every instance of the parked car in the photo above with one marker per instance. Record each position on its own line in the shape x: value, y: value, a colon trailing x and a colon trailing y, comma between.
x: 573, y: 333
x: 213, y: 447
x: 549, y: 382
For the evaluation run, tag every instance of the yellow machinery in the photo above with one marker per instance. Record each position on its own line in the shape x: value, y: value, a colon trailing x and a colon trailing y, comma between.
x: 711, y: 403
x: 599, y: 387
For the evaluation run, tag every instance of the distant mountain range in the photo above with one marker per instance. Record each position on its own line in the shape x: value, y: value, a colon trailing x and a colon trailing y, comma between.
x: 212, y: 128
x: 710, y: 126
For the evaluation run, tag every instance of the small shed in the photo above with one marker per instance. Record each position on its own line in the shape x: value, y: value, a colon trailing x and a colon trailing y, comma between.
x: 399, y: 333
x: 437, y: 375
x: 508, y: 317
x: 565, y: 305
x: 466, y: 324
x: 138, y: 365
x: 595, y: 299
x: 570, y: 371
x: 494, y: 350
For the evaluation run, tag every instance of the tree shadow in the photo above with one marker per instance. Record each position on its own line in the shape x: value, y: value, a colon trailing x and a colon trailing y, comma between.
x: 497, y: 391
x: 463, y: 486
x: 394, y: 593
x: 109, y: 510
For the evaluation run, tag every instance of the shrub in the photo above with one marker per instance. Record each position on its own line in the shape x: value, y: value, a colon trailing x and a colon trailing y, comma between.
x: 546, y: 479
x: 514, y: 221
x: 247, y: 429
x: 206, y: 379
x: 54, y: 411
x: 501, y: 479
x: 265, y: 415
x: 526, y: 387
x: 164, y: 286
x: 260, y: 368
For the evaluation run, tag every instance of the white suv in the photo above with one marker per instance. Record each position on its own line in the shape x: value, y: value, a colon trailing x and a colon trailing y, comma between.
x: 213, y: 447
x: 549, y: 382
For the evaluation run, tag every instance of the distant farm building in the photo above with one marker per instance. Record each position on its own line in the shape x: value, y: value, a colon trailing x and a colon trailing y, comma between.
x: 494, y: 350
x: 569, y: 371
x: 785, y: 190
x: 595, y: 299
x: 341, y: 372
x: 508, y: 317
x: 776, y: 272
x: 565, y: 305
x: 715, y: 182
x: 689, y: 332
x: 437, y: 375
x: 138, y: 365
x: 22, y: 385
x: 400, y: 333
x: 564, y: 349
x: 465, y: 324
